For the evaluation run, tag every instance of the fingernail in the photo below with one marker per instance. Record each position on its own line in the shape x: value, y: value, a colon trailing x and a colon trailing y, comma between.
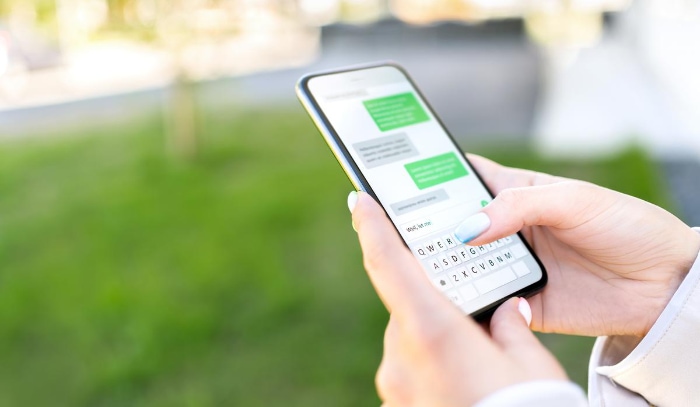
x: 525, y: 310
x: 472, y: 227
x: 352, y: 200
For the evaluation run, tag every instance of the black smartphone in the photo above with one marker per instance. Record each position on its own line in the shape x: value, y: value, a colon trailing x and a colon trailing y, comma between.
x: 391, y: 145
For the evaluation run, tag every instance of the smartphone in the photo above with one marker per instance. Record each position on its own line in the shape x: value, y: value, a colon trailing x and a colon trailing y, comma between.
x: 392, y: 145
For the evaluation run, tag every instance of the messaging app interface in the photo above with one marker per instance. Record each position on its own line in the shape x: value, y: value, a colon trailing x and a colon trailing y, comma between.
x: 424, y: 182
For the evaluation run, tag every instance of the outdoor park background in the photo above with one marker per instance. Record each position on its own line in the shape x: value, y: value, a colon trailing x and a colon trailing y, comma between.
x: 144, y: 266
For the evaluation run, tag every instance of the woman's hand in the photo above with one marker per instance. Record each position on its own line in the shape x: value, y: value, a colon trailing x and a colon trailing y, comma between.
x: 613, y: 261
x: 433, y: 354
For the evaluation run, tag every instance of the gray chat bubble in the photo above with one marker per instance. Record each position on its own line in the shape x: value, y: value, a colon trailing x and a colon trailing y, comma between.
x: 385, y: 150
x: 418, y: 202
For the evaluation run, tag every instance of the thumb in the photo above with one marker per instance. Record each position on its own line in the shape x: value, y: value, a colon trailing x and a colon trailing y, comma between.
x: 510, y: 330
x: 396, y: 275
x: 561, y: 205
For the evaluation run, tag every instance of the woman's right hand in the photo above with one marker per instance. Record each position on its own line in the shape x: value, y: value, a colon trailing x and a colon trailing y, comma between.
x: 614, y: 261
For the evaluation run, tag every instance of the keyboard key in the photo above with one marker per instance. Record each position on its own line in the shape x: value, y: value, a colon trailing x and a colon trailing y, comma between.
x: 433, y: 265
x: 466, y: 273
x: 473, y: 269
x: 458, y: 276
x: 500, y: 259
x: 420, y: 252
x: 518, y: 250
x: 443, y: 283
x: 495, y: 280
x: 490, y: 262
x: 500, y: 243
x: 463, y: 254
x: 444, y: 263
x: 468, y: 292
x: 450, y: 240
x: 491, y: 246
x: 442, y: 246
x: 473, y: 251
x: 521, y: 268
x: 431, y: 249
x: 454, y: 297
x: 482, y: 249
x: 508, y: 239
x: 481, y: 265
x: 454, y: 258
x: 508, y: 255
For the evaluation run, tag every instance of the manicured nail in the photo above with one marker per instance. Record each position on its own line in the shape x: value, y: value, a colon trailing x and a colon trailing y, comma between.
x: 472, y: 227
x: 525, y: 310
x: 352, y: 200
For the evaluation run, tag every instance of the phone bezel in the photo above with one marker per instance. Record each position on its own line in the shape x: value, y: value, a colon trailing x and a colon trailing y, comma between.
x: 340, y: 151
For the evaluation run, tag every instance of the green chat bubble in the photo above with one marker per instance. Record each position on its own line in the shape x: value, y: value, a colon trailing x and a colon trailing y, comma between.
x: 392, y: 112
x: 436, y: 170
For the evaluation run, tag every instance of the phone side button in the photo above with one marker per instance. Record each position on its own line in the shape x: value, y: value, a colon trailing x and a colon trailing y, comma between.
x: 468, y: 292
x: 495, y: 280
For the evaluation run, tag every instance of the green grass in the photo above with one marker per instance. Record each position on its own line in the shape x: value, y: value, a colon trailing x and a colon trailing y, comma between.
x: 131, y: 278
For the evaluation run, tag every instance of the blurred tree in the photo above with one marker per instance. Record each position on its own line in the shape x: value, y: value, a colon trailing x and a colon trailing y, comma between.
x: 198, y: 37
x: 176, y: 26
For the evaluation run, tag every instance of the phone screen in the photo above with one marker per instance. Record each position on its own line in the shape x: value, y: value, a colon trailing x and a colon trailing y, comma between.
x: 423, y: 181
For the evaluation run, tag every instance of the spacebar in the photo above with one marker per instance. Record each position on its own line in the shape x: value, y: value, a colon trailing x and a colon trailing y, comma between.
x: 495, y: 280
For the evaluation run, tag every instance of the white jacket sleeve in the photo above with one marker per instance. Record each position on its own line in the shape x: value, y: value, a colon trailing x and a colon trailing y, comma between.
x: 540, y: 393
x: 660, y: 369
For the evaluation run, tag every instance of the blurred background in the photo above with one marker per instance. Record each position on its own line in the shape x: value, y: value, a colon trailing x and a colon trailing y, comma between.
x: 173, y: 230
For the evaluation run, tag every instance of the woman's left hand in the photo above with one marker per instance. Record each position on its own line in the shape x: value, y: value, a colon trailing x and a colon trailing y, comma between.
x: 433, y: 354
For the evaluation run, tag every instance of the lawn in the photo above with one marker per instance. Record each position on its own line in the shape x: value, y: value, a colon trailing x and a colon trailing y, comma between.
x: 128, y: 277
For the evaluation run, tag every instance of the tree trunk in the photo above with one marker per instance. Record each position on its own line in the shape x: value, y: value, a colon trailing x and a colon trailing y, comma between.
x: 180, y: 118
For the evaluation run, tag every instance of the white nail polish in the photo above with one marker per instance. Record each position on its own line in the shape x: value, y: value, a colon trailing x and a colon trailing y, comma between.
x: 472, y: 227
x: 352, y: 200
x: 525, y: 310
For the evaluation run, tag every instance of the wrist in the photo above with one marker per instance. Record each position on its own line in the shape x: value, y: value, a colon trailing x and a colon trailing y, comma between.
x: 687, y: 257
x: 690, y: 252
